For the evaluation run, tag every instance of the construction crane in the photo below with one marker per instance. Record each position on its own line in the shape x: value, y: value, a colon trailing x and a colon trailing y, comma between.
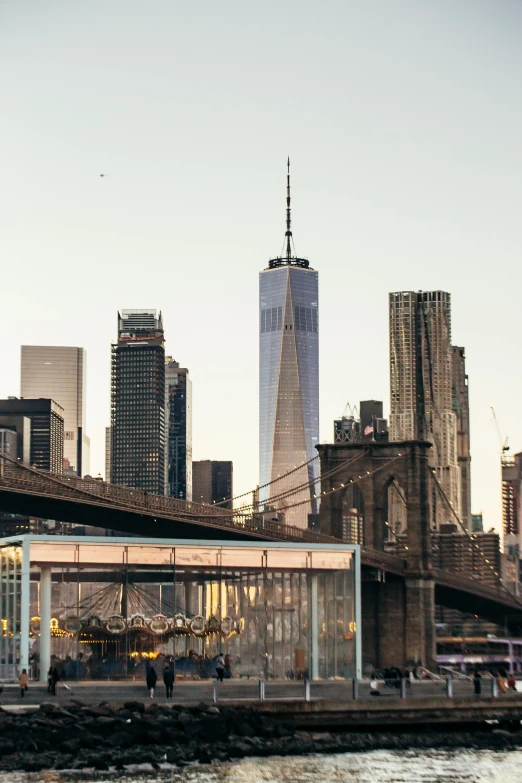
x: 504, y: 445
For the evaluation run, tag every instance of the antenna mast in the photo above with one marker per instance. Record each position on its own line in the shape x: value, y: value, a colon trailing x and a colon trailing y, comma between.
x: 288, y: 234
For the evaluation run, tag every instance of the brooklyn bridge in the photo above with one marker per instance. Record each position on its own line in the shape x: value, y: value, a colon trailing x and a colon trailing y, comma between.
x: 400, y: 585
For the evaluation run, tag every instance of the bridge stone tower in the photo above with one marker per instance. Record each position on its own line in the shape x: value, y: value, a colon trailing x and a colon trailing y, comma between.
x: 398, y: 611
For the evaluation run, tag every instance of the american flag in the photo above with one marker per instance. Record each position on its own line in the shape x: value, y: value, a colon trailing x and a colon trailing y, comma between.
x: 368, y: 430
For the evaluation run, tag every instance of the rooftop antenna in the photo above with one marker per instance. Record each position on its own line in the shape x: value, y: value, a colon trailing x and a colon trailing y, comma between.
x: 288, y: 234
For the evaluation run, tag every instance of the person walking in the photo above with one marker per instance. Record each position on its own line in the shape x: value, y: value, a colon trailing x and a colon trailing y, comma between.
x: 55, y: 677
x: 23, y: 679
x: 477, y: 683
x: 220, y: 667
x: 50, y: 680
x: 168, y: 679
x: 152, y: 679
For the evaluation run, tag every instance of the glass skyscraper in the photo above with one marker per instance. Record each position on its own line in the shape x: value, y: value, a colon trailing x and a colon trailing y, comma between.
x: 178, y: 416
x: 289, y: 382
x: 137, y: 439
x: 59, y: 373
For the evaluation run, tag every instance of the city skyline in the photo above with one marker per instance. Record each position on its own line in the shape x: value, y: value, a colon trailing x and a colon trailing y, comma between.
x: 405, y: 144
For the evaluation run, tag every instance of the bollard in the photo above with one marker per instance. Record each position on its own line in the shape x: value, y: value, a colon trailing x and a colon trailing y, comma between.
x: 307, y: 689
x: 214, y: 691
x: 403, y: 687
x: 449, y: 688
x: 355, y: 688
x: 261, y: 690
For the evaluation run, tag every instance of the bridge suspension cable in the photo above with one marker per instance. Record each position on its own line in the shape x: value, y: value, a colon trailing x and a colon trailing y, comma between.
x: 263, y: 486
x: 473, y: 542
x: 295, y: 490
x: 342, y: 485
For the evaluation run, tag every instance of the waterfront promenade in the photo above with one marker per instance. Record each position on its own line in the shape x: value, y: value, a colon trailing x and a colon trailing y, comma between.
x: 240, y: 691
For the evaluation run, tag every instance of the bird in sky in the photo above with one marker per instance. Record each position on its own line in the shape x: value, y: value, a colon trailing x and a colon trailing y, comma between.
x: 104, y: 175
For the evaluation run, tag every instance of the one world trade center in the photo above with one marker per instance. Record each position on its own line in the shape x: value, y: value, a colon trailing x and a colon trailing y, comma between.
x: 289, y: 383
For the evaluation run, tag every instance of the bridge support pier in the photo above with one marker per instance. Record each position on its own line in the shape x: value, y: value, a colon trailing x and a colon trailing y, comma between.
x: 398, y: 623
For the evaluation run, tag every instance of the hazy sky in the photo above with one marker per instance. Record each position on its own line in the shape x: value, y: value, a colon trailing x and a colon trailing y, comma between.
x: 403, y: 121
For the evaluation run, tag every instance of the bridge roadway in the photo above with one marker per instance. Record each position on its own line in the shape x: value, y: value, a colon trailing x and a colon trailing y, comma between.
x: 24, y: 490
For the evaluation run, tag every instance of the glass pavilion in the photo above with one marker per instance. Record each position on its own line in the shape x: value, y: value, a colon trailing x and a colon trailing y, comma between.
x: 102, y: 607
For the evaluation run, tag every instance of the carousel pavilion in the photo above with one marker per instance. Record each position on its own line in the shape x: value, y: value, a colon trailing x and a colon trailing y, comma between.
x: 102, y: 607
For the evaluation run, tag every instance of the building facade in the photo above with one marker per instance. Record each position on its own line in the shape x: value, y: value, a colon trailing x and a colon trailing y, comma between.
x: 289, y: 383
x: 212, y: 482
x: 108, y: 455
x: 178, y: 416
x: 138, y: 436
x: 60, y: 373
x: 421, y: 390
x: 461, y: 408
x: 46, y: 430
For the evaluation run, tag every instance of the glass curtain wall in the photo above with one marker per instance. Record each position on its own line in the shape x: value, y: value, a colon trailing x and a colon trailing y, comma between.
x: 115, y: 608
x: 10, y: 611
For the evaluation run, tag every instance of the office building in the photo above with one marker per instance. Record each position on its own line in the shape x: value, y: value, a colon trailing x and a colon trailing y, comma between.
x: 8, y: 443
x: 46, y: 430
x: 477, y: 523
x: 373, y: 425
x: 178, y: 416
x: 289, y: 382
x: 138, y: 402
x: 212, y: 482
x: 421, y: 385
x: 359, y: 426
x: 476, y: 556
x: 461, y: 409
x: 60, y: 373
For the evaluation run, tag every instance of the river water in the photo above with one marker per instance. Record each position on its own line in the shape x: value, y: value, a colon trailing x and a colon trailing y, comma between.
x: 460, y: 766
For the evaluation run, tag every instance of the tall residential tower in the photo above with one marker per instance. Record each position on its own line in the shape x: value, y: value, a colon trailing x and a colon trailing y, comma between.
x: 421, y: 383
x: 289, y: 381
x: 138, y: 438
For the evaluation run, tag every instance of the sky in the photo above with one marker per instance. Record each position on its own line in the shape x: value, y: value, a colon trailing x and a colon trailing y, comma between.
x: 403, y: 122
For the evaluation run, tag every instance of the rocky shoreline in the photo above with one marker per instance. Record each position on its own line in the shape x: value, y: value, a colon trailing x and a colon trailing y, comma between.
x: 118, y: 735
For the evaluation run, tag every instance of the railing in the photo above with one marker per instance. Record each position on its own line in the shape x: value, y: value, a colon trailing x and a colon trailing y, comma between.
x: 20, y: 477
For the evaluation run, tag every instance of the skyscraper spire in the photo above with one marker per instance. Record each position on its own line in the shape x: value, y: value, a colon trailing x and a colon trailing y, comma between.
x: 288, y: 218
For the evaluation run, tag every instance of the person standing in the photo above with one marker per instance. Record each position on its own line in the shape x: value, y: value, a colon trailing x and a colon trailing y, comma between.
x: 152, y: 678
x: 23, y: 680
x: 220, y: 667
x: 168, y: 679
x: 55, y: 677
x: 477, y: 683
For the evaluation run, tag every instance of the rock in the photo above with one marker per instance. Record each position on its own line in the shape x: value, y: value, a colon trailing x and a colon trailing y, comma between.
x: 152, y: 709
x: 244, y: 729
x: 48, y: 706
x: 213, y: 730
x: 203, y: 756
x: 115, y: 706
x: 6, y: 746
x: 88, y: 741
x: 214, y: 710
x: 97, y: 712
x: 70, y: 746
x: 177, y: 737
x: 134, y: 706
x: 120, y: 739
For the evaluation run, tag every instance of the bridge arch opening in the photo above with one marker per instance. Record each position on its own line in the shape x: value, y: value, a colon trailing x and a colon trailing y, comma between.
x: 352, y: 510
x: 396, y: 510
